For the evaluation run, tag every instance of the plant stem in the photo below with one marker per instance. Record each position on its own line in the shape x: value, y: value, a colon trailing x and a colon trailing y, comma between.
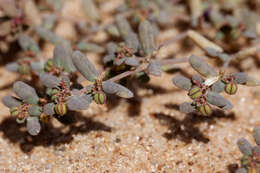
x: 143, y: 67
x: 128, y: 73
x: 243, y: 53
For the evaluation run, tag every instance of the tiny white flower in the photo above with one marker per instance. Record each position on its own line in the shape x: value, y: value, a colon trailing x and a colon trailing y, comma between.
x: 210, y: 81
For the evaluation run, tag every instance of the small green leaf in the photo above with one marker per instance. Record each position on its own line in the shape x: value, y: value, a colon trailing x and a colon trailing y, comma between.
x: 10, y: 101
x: 77, y: 103
x: 35, y: 110
x: 244, y: 146
x: 123, y: 25
x: 114, y: 88
x: 33, y: 126
x: 187, y: 108
x: 49, y: 80
x: 182, y: 82
x: 48, y: 109
x: 218, y: 100
x: 25, y: 92
x: 256, y: 134
x: 202, y: 67
x: 62, y: 57
x: 146, y: 36
x: 84, y: 66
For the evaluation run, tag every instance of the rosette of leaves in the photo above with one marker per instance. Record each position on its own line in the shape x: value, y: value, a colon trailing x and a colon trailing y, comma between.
x: 98, y: 90
x: 25, y: 107
x: 250, y: 161
x: 61, y: 96
x: 205, y: 91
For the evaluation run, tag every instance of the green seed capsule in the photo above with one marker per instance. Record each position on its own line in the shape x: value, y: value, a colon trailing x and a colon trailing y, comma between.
x: 195, y: 92
x: 100, y: 98
x: 61, y: 109
x: 24, y: 69
x: 231, y: 88
x: 245, y: 160
x: 48, y: 66
x: 14, y: 111
x: 205, y: 110
x: 54, y: 92
x: 54, y: 98
x: 20, y: 120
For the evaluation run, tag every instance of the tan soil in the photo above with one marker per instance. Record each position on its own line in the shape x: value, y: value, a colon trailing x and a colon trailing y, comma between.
x: 144, y: 135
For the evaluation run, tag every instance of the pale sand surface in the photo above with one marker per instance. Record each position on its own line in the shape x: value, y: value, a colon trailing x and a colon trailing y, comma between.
x: 144, y: 135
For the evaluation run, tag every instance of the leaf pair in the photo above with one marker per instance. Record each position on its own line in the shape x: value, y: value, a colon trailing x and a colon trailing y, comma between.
x: 88, y: 70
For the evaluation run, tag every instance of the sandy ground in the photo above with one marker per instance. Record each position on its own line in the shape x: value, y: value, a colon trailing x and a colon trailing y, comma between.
x: 143, y: 135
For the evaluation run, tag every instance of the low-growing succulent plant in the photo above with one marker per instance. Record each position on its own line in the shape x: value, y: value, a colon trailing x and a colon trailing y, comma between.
x: 128, y: 47
x: 206, y: 91
x: 250, y: 161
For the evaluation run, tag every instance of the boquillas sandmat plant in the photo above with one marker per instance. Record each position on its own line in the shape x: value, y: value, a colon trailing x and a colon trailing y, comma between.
x: 206, y: 91
x: 136, y: 24
x: 136, y: 55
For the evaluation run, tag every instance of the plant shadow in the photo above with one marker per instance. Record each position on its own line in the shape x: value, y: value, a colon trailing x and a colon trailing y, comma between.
x: 11, y: 54
x: 50, y: 135
x: 232, y: 167
x: 187, y: 128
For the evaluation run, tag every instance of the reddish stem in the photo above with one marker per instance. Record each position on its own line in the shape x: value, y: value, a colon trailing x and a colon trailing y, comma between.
x: 144, y: 67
